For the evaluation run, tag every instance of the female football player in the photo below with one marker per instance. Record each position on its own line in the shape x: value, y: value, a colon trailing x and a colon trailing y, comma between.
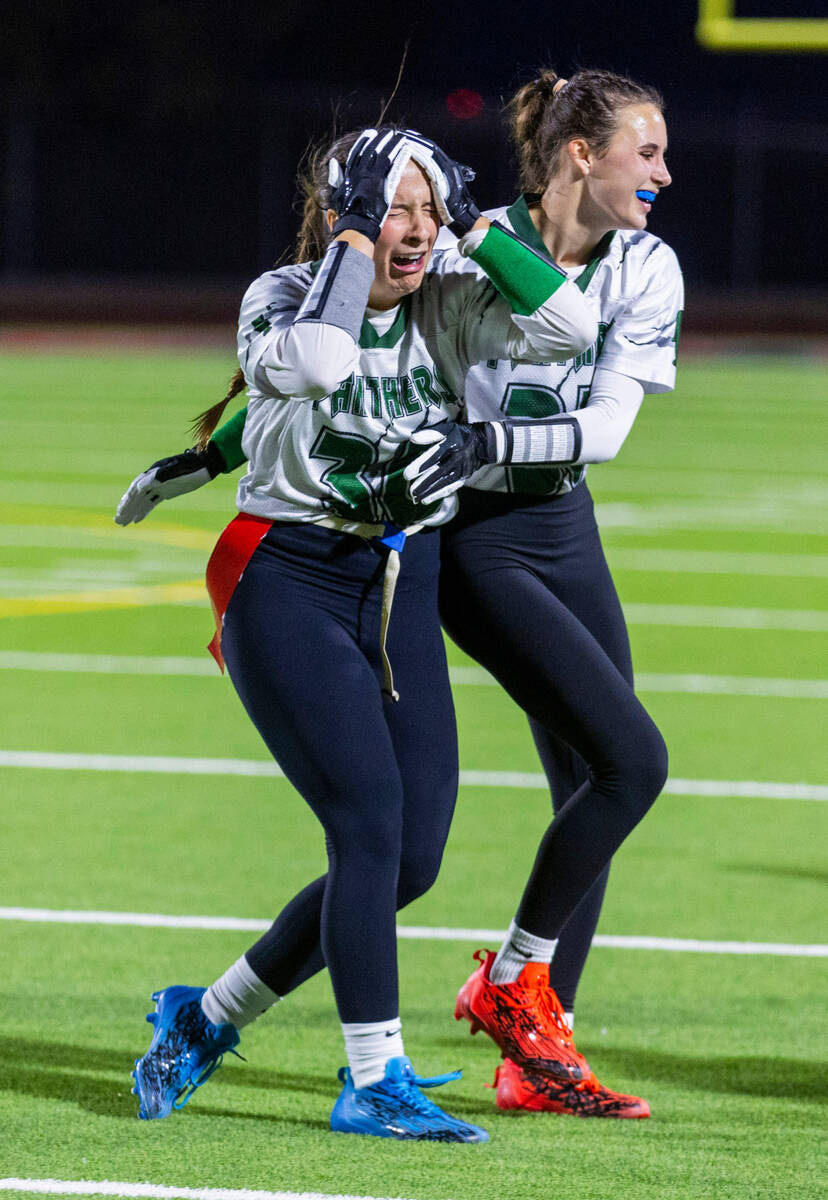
x: 525, y: 588
x: 349, y: 361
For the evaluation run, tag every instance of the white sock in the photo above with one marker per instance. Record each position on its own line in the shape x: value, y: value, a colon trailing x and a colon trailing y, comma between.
x: 570, y: 1019
x: 238, y: 996
x: 369, y: 1045
x: 518, y: 949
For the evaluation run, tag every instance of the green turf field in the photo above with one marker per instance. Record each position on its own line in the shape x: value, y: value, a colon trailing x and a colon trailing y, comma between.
x: 715, y: 525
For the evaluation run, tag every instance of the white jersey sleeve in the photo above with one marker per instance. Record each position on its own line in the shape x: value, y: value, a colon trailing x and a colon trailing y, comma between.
x: 481, y: 323
x: 279, y: 357
x: 642, y: 339
x: 607, y: 418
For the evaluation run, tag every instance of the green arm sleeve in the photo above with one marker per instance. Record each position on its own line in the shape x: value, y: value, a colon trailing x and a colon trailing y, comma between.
x: 520, y: 275
x: 228, y: 438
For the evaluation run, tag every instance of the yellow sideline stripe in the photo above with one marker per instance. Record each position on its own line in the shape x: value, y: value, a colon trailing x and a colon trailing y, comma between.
x: 104, y: 526
x: 187, y: 591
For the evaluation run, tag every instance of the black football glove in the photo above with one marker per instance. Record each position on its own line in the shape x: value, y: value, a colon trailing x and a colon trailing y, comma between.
x: 460, y: 451
x: 449, y: 181
x: 362, y: 194
x: 167, y: 478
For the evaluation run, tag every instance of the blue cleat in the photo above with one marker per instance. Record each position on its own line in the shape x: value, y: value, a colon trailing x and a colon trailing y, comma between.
x: 396, y: 1108
x: 185, y: 1050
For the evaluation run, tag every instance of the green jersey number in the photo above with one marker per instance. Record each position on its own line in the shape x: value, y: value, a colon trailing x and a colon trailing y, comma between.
x: 365, y: 490
x: 350, y: 455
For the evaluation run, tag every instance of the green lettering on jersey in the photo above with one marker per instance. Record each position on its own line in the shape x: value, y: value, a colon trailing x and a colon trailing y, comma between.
x: 531, y: 400
x: 372, y: 387
x: 391, y: 395
x: 424, y: 383
x: 442, y: 383
x: 260, y: 323
x: 408, y: 396
x: 357, y: 393
x: 341, y: 397
x: 388, y: 396
x: 584, y: 360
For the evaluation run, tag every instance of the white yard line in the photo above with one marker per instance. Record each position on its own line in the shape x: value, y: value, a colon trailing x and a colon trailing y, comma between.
x: 799, y: 510
x: 60, y: 916
x: 733, y: 685
x: 709, y: 617
x: 719, y: 562
x: 139, y: 664
x: 108, y: 664
x: 158, y: 765
x: 152, y: 1191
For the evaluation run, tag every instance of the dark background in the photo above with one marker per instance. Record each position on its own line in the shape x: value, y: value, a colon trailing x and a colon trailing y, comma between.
x: 158, y: 141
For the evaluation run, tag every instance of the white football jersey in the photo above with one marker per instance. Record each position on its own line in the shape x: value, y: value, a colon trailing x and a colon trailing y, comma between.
x: 635, y: 288
x: 344, y: 455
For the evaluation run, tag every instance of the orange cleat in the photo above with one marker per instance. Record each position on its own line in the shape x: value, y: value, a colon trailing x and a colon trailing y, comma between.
x: 524, y: 1018
x: 521, y: 1087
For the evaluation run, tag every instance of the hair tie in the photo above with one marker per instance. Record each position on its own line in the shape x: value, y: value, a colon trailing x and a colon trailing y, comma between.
x: 560, y: 84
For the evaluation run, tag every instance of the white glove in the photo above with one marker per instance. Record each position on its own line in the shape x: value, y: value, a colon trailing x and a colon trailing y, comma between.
x: 166, y: 478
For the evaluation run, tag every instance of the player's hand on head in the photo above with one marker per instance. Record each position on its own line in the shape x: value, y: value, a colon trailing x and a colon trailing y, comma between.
x: 454, y: 453
x: 363, y: 191
x: 167, y: 478
x: 449, y: 181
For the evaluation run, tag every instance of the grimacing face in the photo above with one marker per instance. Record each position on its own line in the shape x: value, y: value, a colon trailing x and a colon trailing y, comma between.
x: 403, y: 248
x: 633, y: 161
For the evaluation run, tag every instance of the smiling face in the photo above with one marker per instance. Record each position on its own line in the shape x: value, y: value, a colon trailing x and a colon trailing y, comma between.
x: 404, y: 246
x: 633, y: 162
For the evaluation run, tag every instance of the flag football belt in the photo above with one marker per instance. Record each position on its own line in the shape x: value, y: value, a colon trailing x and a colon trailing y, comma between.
x: 236, y: 546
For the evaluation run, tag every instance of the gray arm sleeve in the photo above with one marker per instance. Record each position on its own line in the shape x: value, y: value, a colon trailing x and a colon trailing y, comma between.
x: 339, y: 293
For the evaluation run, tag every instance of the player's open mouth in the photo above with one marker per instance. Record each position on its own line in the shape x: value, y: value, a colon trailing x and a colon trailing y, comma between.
x: 408, y: 264
x: 646, y: 197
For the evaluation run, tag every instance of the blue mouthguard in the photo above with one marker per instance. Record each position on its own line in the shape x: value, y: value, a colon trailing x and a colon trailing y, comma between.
x: 648, y: 196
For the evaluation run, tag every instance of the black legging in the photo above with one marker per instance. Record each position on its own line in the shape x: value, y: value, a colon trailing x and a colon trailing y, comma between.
x: 302, y: 644
x: 526, y: 591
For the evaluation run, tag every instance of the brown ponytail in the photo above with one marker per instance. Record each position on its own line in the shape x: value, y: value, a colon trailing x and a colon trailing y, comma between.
x: 205, y: 423
x: 588, y: 105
